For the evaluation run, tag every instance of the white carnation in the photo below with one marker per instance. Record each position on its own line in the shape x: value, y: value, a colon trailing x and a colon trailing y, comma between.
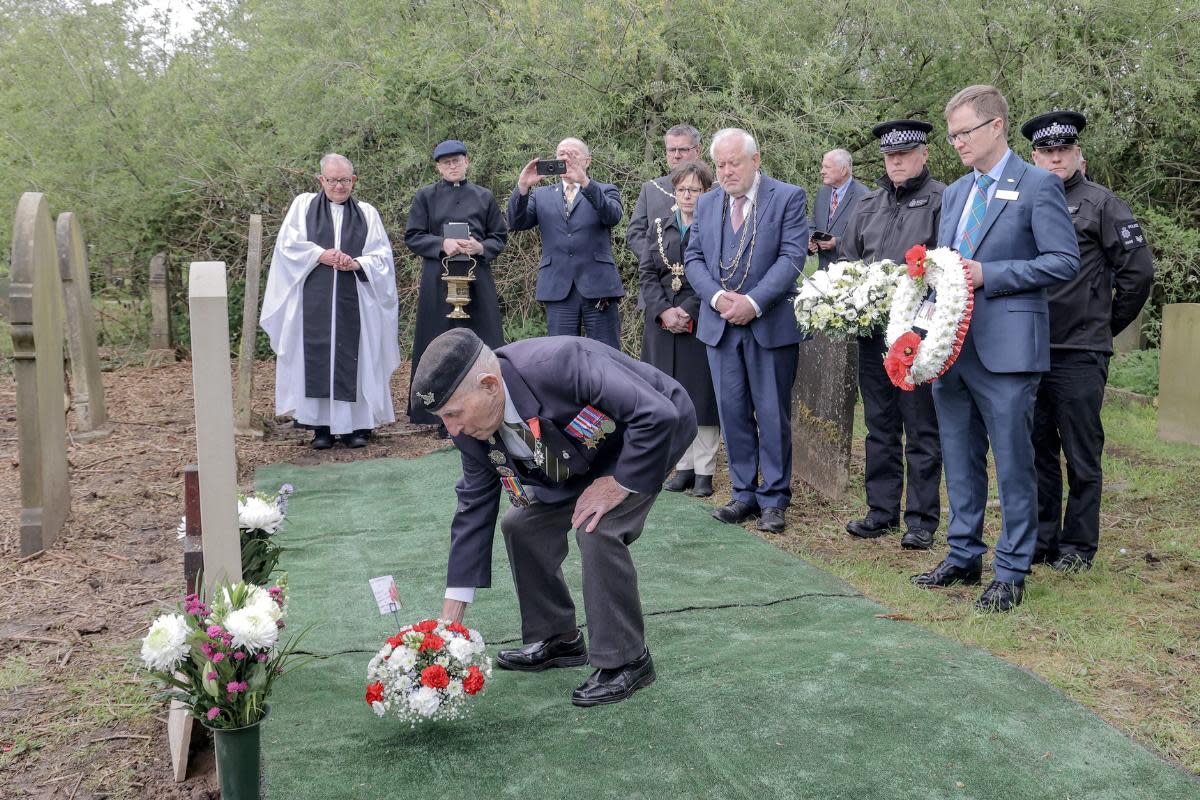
x: 403, y: 658
x: 166, y: 643
x: 454, y: 689
x: 254, y: 513
x: 252, y: 628
x: 379, y: 708
x: 461, y: 649
x: 425, y: 701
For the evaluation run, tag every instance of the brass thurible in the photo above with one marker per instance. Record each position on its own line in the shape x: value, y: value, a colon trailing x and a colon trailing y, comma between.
x: 458, y: 289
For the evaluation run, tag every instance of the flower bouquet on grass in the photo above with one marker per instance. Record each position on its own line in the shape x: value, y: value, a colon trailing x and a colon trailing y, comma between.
x: 848, y: 300
x: 931, y: 313
x: 221, y: 658
x: 428, y: 671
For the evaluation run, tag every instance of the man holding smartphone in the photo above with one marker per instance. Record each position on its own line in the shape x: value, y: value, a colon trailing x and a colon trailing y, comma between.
x: 577, y: 276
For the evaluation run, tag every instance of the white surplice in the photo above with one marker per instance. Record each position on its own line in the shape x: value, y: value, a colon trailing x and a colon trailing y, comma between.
x: 283, y: 320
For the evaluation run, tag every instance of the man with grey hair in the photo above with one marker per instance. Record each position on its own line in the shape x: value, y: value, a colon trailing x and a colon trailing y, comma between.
x: 577, y: 276
x: 657, y: 197
x: 330, y: 309
x: 744, y: 254
x: 834, y: 206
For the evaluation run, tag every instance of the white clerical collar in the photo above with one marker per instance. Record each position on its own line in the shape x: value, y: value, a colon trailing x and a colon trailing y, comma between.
x: 750, y: 195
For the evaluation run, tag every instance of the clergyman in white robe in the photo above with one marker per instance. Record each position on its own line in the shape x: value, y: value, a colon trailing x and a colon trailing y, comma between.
x: 315, y: 400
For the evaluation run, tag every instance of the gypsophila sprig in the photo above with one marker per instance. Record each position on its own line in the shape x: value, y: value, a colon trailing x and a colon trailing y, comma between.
x: 428, y: 671
x: 221, y: 658
x: 847, y: 300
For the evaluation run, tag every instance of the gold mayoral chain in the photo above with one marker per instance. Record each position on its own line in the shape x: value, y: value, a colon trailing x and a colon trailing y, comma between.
x: 676, y: 269
x: 727, y: 272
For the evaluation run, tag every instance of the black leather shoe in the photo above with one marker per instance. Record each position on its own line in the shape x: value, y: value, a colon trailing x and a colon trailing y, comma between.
x: 917, y: 539
x: 735, y: 512
x: 869, y: 528
x: 1000, y: 596
x: 355, y: 439
x: 1070, y: 563
x: 552, y: 652
x: 771, y: 520
x: 703, y: 486
x: 681, y: 480
x: 614, y: 685
x: 947, y: 574
x: 322, y: 438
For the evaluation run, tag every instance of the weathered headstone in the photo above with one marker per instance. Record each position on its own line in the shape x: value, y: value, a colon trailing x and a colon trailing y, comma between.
x: 87, y: 387
x: 213, y: 397
x: 1179, y: 374
x: 243, y: 401
x: 35, y: 307
x: 179, y: 719
x: 1132, y: 338
x: 161, y: 350
x: 823, y: 414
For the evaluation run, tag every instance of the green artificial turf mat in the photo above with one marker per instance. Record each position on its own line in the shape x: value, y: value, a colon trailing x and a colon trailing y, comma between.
x: 775, y: 680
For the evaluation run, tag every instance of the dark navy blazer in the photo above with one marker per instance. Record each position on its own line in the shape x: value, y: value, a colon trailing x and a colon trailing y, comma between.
x: 836, y: 226
x: 576, y: 247
x: 554, y: 378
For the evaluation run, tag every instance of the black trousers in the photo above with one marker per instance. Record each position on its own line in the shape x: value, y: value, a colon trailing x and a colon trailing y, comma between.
x: 1066, y: 420
x: 598, y: 318
x: 902, y: 428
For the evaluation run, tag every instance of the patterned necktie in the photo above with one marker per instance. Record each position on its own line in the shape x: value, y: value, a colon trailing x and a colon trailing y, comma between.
x: 739, y: 212
x: 570, y: 194
x: 833, y: 204
x: 979, y: 203
x: 555, y: 470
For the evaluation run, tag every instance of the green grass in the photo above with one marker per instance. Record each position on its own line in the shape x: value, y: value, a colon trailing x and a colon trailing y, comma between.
x: 1136, y: 371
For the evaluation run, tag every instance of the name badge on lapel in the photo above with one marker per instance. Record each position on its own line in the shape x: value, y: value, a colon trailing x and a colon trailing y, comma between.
x: 1007, y: 194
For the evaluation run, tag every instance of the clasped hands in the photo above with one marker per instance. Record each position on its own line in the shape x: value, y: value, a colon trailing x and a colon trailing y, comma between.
x: 675, y: 320
x: 338, y: 260
x: 735, y: 308
x: 470, y: 247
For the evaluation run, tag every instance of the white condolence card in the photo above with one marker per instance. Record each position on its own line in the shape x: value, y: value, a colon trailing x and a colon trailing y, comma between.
x: 387, y: 597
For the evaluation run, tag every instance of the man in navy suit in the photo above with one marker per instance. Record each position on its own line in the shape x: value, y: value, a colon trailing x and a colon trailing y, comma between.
x: 1009, y: 221
x: 579, y: 436
x: 745, y: 253
x: 836, y: 199
x: 577, y: 277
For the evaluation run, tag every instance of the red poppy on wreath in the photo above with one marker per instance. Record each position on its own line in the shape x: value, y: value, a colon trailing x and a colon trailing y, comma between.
x: 915, y: 258
x: 435, y: 677
x: 900, y: 358
x: 375, y: 693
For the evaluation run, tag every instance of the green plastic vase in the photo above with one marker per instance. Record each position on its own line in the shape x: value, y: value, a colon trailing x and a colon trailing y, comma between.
x: 239, y: 759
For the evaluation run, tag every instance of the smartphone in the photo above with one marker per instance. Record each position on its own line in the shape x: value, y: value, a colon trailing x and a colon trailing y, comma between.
x: 551, y: 166
x: 457, y: 230
x: 821, y: 236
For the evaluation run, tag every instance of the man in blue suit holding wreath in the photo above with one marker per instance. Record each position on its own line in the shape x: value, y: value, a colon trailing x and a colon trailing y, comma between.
x: 1009, y: 221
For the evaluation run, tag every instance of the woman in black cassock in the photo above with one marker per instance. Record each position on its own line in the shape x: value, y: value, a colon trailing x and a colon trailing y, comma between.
x: 672, y: 310
x: 454, y: 199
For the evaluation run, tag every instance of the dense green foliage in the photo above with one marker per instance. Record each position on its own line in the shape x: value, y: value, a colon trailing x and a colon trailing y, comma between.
x: 173, y: 147
x: 1136, y: 371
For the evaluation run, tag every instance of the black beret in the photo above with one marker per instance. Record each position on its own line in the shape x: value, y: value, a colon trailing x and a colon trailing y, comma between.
x: 450, y: 147
x: 901, y: 134
x: 443, y: 366
x: 1055, y: 129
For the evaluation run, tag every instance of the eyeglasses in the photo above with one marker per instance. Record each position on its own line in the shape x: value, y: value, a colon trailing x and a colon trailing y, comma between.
x: 678, y: 151
x: 962, y: 136
x: 688, y: 190
x: 338, y: 181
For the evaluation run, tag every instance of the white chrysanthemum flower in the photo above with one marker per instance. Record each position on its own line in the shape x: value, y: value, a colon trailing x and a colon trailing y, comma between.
x: 257, y: 514
x: 425, y: 701
x: 252, y: 628
x: 454, y: 689
x: 166, y: 643
x: 461, y: 649
x: 403, y: 658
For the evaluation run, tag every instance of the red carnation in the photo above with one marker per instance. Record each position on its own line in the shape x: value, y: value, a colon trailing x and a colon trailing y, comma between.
x: 426, y: 626
x: 431, y: 642
x: 456, y: 627
x: 474, y: 681
x: 375, y: 693
x: 435, y: 677
x: 915, y: 258
x: 398, y: 639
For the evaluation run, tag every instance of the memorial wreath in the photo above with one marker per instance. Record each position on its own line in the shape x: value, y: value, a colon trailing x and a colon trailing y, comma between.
x: 848, y: 300
x: 931, y: 312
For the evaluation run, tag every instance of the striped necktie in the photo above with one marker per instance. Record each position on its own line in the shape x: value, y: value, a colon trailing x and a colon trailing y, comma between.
x: 979, y: 203
x: 555, y: 470
x: 833, y: 204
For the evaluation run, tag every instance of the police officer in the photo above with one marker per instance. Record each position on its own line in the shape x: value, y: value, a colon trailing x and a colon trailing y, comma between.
x: 901, y: 426
x: 1115, y: 275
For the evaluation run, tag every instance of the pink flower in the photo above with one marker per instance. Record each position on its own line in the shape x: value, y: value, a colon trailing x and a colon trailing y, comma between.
x: 262, y: 657
x: 213, y: 713
x: 217, y: 658
x: 210, y: 676
x: 214, y: 631
x: 208, y: 651
x: 233, y: 687
x: 239, y: 655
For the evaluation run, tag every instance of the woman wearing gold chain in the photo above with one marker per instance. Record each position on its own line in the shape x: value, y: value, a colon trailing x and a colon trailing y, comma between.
x: 669, y: 341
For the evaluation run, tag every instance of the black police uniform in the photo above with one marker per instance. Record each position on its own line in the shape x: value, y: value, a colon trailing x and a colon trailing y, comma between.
x: 886, y: 224
x: 1116, y: 272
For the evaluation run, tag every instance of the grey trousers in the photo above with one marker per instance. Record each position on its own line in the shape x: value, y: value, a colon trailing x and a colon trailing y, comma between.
x: 536, y: 539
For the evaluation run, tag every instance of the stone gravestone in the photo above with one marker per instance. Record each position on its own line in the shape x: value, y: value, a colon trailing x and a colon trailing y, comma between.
x: 243, y: 401
x: 161, y: 350
x: 823, y: 414
x: 1179, y: 374
x: 1132, y: 338
x: 35, y: 300
x: 87, y: 387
